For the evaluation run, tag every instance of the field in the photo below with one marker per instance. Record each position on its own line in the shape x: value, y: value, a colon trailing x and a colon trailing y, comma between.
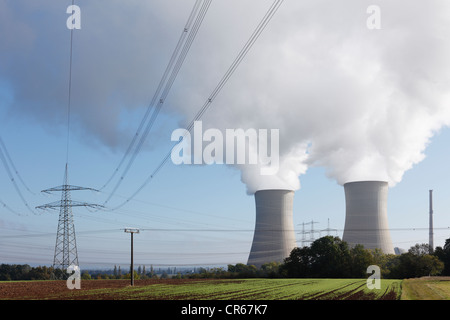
x: 242, y: 289
x: 427, y: 288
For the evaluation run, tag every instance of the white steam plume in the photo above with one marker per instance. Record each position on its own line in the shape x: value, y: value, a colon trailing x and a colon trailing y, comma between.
x: 362, y: 103
x: 366, y: 102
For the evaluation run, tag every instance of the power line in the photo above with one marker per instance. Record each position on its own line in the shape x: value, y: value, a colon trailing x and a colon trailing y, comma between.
x: 183, y: 209
x: 5, y: 151
x: 70, y: 91
x: 104, y: 256
x: 3, y: 158
x: 310, y: 232
x: 174, y: 64
x: 51, y: 234
x: 9, y: 209
x: 249, y: 44
x: 66, y: 248
x: 114, y: 230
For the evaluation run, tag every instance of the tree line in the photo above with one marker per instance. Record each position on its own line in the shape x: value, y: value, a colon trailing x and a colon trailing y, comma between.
x: 17, y: 272
x: 330, y: 257
x: 327, y: 257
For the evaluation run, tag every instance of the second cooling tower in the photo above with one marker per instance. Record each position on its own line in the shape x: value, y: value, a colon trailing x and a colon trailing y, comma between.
x: 366, y: 219
x: 274, y: 236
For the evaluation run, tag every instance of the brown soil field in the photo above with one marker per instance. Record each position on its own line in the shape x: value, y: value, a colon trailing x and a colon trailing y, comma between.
x: 112, y: 290
x: 56, y: 290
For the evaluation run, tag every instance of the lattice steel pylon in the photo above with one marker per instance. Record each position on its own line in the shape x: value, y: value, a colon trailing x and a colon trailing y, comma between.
x: 66, y: 253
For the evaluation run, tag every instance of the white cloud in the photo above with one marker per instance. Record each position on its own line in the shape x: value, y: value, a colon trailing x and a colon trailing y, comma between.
x: 367, y: 102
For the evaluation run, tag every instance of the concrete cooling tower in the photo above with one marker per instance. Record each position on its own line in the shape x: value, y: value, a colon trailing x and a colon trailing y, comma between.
x: 366, y: 219
x: 274, y: 236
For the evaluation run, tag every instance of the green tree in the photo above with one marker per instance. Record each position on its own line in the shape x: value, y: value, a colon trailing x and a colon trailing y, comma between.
x: 128, y: 275
x: 330, y: 257
x: 40, y: 273
x: 241, y: 270
x: 298, y: 264
x: 443, y: 254
x: 384, y: 261
x: 270, y: 270
x: 416, y: 263
x: 420, y: 249
x: 5, y: 272
x: 361, y: 258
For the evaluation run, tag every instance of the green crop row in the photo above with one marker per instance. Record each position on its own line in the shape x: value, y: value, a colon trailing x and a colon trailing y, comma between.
x: 264, y: 289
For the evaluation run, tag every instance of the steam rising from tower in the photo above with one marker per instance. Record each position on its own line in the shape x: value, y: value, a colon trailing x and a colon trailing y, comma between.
x: 384, y: 93
x: 274, y: 236
x: 366, y: 219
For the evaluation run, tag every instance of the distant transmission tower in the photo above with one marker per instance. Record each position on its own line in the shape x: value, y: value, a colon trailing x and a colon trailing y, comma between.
x: 66, y: 246
x: 328, y: 228
x: 66, y: 253
x: 311, y: 232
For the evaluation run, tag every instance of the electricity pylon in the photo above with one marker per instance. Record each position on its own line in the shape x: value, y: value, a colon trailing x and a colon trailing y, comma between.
x: 311, y: 233
x: 66, y: 246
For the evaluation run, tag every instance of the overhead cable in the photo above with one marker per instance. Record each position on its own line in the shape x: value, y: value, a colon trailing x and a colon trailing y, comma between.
x: 249, y: 44
x: 3, y: 158
x: 190, y: 31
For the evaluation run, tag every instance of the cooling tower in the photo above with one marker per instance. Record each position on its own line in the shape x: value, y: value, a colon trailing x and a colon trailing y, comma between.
x: 366, y: 219
x: 274, y: 236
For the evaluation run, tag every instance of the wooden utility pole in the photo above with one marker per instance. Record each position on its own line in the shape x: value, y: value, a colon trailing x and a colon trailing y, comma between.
x: 132, y: 232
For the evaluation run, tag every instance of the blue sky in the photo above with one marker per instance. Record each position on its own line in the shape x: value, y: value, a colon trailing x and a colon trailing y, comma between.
x: 115, y: 73
x: 193, y: 197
